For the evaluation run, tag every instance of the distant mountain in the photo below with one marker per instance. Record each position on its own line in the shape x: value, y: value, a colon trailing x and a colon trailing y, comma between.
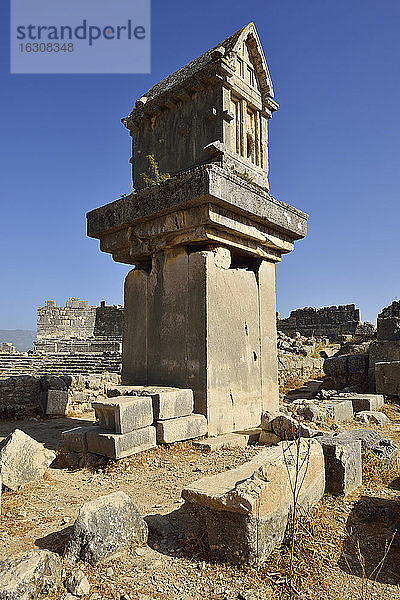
x: 22, y: 339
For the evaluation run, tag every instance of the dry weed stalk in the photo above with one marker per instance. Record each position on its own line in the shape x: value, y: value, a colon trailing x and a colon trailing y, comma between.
x: 301, y: 464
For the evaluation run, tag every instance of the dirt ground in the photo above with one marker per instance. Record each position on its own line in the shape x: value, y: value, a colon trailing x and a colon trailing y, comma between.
x: 333, y: 540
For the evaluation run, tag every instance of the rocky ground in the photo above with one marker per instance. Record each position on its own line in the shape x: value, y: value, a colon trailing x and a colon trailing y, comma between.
x: 332, y: 544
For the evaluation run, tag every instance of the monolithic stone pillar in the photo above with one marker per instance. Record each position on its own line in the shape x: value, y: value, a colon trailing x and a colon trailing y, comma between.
x: 194, y: 321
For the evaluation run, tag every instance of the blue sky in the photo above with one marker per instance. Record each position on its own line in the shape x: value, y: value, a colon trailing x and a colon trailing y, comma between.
x: 334, y: 153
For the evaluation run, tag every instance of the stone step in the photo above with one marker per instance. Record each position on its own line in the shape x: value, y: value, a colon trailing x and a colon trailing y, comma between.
x: 116, y: 445
x: 183, y: 428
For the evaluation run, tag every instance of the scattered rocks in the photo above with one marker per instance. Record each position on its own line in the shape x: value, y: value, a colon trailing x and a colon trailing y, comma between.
x: 28, y: 575
x: 371, y: 416
x: 22, y: 459
x: 78, y: 584
x: 105, y: 527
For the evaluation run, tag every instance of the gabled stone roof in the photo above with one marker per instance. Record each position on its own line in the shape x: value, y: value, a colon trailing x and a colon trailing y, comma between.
x: 223, y: 50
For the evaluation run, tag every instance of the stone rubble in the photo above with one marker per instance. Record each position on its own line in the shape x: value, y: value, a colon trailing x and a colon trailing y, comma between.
x: 22, y: 459
x: 29, y: 575
x: 104, y: 528
x: 78, y: 584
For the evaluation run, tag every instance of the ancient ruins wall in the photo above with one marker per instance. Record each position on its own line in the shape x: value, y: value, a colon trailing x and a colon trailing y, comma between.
x: 329, y: 321
x: 78, y: 320
x: 19, y: 396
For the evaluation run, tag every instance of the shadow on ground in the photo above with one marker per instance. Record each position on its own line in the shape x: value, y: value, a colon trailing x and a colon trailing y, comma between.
x: 372, y: 526
x: 56, y: 541
x: 45, y: 431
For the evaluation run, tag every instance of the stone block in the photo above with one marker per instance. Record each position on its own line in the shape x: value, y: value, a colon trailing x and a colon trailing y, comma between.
x: 343, y: 465
x: 54, y: 402
x: 104, y: 528
x: 74, y: 439
x: 372, y: 416
x: 268, y: 438
x: 335, y: 366
x: 338, y: 410
x: 288, y: 428
x: 116, y: 445
x: 22, y: 459
x: 357, y: 363
x: 387, y: 377
x: 29, y: 575
x: 364, y: 401
x: 168, y: 402
x: 244, y: 512
x: 124, y: 414
x: 383, y: 449
x: 184, y: 428
x: 227, y: 440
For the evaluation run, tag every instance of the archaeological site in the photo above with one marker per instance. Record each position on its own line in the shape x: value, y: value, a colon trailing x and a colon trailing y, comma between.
x: 192, y: 443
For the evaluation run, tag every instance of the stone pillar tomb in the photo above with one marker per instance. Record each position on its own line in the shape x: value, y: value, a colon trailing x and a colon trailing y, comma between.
x: 200, y: 300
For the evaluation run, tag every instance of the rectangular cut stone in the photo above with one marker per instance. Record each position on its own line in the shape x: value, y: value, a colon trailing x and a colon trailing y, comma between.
x: 387, y: 377
x: 338, y: 410
x: 227, y: 440
x: 124, y: 414
x: 116, y: 445
x: 184, y: 428
x: 168, y: 402
x: 54, y: 402
x: 364, y: 401
x: 244, y: 511
x: 343, y: 466
x: 74, y: 439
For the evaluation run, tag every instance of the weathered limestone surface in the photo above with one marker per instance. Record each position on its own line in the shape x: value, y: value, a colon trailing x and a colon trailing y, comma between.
x: 74, y: 439
x: 29, y: 575
x: 387, y: 377
x: 104, y: 528
x: 54, y: 402
x: 244, y: 511
x: 372, y: 416
x: 124, y: 414
x: 116, y: 445
x: 22, y: 459
x: 364, y: 401
x: 343, y: 466
x: 168, y: 402
x: 183, y: 428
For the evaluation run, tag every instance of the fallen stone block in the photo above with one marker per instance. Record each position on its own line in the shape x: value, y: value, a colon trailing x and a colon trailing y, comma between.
x: 124, y: 414
x: 54, y: 402
x: 312, y: 412
x: 183, y: 428
x: 338, y: 410
x: 288, y: 428
x: 387, y: 377
x: 227, y: 440
x: 104, y: 528
x: 385, y: 450
x: 343, y: 465
x: 29, y: 575
x: 168, y: 402
x: 371, y: 416
x: 266, y: 420
x: 364, y: 401
x: 335, y: 366
x: 357, y: 364
x: 115, y: 445
x: 74, y: 439
x: 268, y: 438
x: 22, y: 459
x: 244, y: 512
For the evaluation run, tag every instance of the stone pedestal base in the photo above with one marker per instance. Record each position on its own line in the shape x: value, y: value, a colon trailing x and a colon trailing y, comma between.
x: 198, y: 321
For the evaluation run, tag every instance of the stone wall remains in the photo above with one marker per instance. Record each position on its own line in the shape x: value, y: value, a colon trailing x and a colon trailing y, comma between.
x: 20, y: 396
x: 78, y: 320
x: 330, y: 321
